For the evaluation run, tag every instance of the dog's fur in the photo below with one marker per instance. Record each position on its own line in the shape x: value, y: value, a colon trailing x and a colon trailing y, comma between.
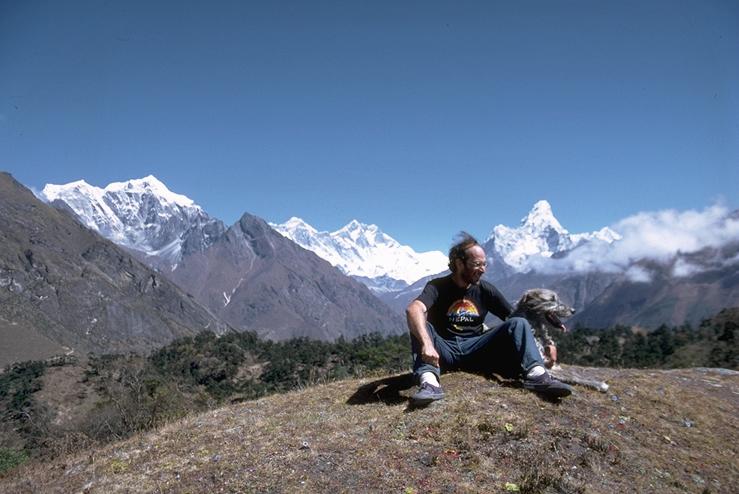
x: 542, y: 308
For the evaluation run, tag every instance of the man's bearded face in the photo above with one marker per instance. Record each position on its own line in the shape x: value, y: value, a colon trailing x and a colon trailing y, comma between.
x: 474, y: 265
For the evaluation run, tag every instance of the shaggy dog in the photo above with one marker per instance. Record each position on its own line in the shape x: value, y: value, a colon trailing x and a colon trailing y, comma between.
x: 543, y: 309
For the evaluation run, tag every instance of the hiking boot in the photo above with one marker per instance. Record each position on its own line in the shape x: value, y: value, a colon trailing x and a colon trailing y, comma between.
x: 547, y: 386
x: 426, y: 394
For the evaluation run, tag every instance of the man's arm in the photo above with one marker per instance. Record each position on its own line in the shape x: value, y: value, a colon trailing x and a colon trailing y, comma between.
x: 497, y: 303
x: 416, y: 315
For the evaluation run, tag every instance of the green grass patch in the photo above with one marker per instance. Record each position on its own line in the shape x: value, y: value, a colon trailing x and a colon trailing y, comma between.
x: 10, y: 458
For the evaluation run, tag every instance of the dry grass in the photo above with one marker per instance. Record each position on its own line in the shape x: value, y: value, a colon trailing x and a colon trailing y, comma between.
x: 656, y: 431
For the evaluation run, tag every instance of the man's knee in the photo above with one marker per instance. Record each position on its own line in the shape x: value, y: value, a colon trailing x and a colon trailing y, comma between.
x: 518, y: 324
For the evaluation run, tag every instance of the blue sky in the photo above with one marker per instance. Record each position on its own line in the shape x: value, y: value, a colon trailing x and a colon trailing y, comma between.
x: 422, y: 117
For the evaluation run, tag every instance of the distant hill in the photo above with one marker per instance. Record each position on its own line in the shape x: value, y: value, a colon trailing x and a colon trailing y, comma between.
x: 64, y: 287
x: 652, y: 432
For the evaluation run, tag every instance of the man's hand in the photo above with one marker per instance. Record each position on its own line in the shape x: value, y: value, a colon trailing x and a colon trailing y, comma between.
x: 430, y: 355
x: 416, y: 313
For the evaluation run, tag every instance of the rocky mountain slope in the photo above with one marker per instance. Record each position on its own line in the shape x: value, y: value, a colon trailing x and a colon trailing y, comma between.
x: 651, y: 432
x: 256, y: 279
x: 70, y: 288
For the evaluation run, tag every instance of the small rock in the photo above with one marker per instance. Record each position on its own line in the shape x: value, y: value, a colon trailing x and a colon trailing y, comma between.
x: 215, y: 458
x: 688, y: 423
x: 614, y: 398
x: 698, y: 480
x: 427, y: 460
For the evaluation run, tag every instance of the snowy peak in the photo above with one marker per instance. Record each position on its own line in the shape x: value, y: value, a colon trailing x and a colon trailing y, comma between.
x: 605, y: 234
x: 147, y: 186
x: 152, y: 186
x: 296, y: 223
x: 541, y: 218
x: 302, y: 232
x: 539, y: 235
x: 141, y: 214
x: 364, y: 251
x: 365, y: 235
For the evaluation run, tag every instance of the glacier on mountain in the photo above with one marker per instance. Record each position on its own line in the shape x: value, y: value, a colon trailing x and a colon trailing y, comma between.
x: 538, y: 236
x: 365, y: 252
x: 140, y: 214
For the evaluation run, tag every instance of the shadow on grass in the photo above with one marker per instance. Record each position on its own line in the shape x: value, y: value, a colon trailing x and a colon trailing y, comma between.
x: 508, y: 382
x: 386, y: 390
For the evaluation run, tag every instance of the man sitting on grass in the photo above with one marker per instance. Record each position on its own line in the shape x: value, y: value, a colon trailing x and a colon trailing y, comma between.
x: 446, y: 325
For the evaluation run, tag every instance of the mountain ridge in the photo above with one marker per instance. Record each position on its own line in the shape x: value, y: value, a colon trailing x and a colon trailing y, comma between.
x: 582, y: 267
x: 236, y: 272
x: 66, y: 283
x: 142, y: 215
x: 365, y: 252
x: 256, y: 279
x: 539, y: 234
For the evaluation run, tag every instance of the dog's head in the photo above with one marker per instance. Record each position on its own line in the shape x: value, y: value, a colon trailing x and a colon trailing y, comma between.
x: 542, y: 306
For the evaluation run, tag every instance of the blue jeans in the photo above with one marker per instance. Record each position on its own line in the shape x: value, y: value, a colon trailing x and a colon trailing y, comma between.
x: 508, y: 349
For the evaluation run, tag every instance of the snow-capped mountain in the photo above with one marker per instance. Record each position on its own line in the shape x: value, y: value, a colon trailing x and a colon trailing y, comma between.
x: 365, y: 252
x: 142, y: 215
x: 539, y: 235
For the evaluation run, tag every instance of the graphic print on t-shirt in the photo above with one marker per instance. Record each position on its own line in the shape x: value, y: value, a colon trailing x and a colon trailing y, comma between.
x: 462, y: 314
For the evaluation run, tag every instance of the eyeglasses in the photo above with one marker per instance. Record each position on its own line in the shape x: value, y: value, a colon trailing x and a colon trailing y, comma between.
x: 477, y: 264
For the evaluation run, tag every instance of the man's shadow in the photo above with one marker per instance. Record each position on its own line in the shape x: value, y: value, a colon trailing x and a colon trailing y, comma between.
x: 386, y: 390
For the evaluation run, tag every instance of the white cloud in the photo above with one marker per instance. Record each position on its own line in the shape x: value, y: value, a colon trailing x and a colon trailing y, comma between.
x: 638, y: 274
x: 683, y: 268
x: 662, y: 234
x: 658, y: 236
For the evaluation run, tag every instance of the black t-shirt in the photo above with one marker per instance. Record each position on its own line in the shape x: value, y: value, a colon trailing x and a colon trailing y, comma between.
x: 455, y: 311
